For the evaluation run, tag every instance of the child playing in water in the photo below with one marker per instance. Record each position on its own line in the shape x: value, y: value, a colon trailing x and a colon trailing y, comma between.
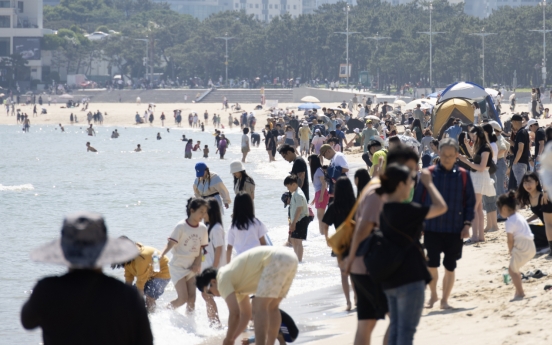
x: 186, y: 242
x: 520, y: 239
x: 206, y: 151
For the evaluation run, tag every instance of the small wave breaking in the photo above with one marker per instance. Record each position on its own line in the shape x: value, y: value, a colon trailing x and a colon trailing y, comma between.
x: 18, y: 188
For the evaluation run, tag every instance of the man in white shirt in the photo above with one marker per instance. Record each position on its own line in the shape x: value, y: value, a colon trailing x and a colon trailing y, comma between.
x: 338, y: 165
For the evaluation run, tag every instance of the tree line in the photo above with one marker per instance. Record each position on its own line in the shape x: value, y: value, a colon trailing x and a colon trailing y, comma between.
x: 305, y: 47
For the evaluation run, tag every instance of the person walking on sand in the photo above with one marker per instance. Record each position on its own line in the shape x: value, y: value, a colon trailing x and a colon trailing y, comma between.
x: 151, y: 276
x: 521, y: 246
x: 187, y: 241
x: 90, y: 148
x: 209, y: 184
x: 445, y: 234
x: 402, y: 223
x: 91, y: 131
x: 85, y: 306
x: 245, y: 144
x: 247, y: 231
x: 267, y: 272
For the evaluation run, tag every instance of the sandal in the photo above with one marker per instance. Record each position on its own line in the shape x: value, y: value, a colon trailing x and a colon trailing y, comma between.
x: 470, y: 241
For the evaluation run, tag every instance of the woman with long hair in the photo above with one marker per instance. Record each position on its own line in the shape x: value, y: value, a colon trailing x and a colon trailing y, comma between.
x: 337, y: 212
x: 530, y: 194
x: 489, y: 202
x: 214, y: 253
x: 481, y: 179
x: 242, y: 181
x: 209, y: 185
x: 317, y: 141
x: 417, y: 129
x: 402, y: 223
x: 362, y: 178
x: 246, y: 231
x: 186, y: 241
x: 321, y: 195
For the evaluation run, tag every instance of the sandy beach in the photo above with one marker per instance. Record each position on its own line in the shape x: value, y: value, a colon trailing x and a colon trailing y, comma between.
x: 483, y: 312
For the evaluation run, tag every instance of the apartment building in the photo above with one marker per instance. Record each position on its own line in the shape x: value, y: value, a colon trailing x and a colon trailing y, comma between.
x: 21, y: 31
x: 266, y: 10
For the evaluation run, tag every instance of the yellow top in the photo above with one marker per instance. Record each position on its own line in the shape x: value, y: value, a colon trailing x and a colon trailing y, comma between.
x: 304, y: 133
x: 141, y: 268
x: 243, y: 273
x: 375, y: 160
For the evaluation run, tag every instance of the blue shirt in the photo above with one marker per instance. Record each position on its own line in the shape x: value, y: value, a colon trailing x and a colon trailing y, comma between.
x: 454, y: 131
x: 449, y: 184
x: 340, y: 135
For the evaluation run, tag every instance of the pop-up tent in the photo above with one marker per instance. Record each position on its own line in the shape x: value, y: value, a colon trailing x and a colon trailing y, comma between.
x: 471, y: 91
x: 451, y: 109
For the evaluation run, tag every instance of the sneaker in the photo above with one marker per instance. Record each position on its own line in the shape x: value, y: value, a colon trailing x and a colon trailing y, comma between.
x: 544, y: 251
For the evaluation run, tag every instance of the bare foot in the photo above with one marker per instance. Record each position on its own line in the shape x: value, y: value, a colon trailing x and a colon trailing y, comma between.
x: 445, y: 305
x: 348, y: 306
x: 431, y: 302
x: 517, y: 297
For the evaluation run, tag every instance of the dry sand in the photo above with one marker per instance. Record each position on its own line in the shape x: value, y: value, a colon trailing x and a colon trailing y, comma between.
x: 483, y: 312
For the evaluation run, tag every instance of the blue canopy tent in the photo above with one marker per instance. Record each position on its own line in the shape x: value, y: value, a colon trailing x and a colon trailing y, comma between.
x: 472, y: 91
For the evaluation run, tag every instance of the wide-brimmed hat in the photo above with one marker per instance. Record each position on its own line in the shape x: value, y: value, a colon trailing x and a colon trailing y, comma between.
x: 84, y: 244
x: 200, y: 169
x: 236, y: 166
x: 496, y: 126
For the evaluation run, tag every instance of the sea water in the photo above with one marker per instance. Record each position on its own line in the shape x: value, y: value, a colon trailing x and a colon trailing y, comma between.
x: 45, y: 174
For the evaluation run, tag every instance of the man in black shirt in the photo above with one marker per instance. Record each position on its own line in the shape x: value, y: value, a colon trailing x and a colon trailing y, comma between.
x: 520, y: 148
x: 84, y: 306
x: 299, y: 167
x: 540, y: 137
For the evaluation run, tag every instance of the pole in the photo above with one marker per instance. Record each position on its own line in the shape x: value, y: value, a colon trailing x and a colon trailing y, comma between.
x: 544, y: 31
x: 431, y: 33
x: 226, y: 39
x: 377, y: 38
x: 347, y: 33
x: 483, y: 34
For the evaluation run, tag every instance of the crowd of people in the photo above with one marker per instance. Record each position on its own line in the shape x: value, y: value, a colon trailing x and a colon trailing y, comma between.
x: 416, y: 201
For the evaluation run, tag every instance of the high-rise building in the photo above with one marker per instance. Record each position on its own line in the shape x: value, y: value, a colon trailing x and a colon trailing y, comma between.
x: 266, y: 10
x: 484, y: 8
x: 21, y: 32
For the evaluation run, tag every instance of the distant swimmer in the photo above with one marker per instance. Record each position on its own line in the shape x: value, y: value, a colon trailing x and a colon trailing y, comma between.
x: 158, y: 136
x: 114, y: 134
x: 168, y: 130
x: 61, y: 127
x: 184, y: 137
x: 138, y: 148
x: 90, y: 148
x: 91, y: 130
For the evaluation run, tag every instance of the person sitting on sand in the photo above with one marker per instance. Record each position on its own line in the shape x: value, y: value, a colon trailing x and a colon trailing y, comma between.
x: 265, y: 271
x: 520, y: 239
x: 90, y: 148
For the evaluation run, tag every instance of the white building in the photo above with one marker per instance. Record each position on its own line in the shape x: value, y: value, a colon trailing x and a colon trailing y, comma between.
x: 21, y: 31
x: 266, y: 10
x: 402, y: 2
x: 484, y: 8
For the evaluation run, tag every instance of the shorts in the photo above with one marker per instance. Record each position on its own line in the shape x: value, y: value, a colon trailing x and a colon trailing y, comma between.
x: 301, y: 229
x: 325, y: 199
x: 290, y: 142
x: 155, y: 287
x: 371, y: 300
x: 304, y: 145
x: 449, y: 244
x: 489, y: 203
x: 245, y: 149
x: 523, y: 251
x: 278, y: 275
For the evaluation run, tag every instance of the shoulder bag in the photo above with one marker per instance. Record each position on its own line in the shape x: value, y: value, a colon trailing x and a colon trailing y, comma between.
x: 341, y: 240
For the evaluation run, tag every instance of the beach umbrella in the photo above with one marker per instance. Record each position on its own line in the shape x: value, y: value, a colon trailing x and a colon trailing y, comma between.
x: 426, y: 106
x: 2, y: 95
x: 434, y: 95
x: 491, y: 92
x: 66, y: 96
x: 306, y: 106
x: 412, y: 105
x: 310, y: 99
x: 409, y: 141
x: 354, y: 123
x: 372, y: 117
x: 400, y: 102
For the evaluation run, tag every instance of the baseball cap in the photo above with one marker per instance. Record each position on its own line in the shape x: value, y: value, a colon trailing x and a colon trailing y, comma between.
x: 356, y: 130
x: 516, y: 117
x: 324, y: 148
x: 531, y: 122
x: 200, y: 169
x: 369, y: 121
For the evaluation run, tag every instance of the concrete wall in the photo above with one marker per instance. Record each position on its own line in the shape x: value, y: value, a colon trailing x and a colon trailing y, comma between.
x: 327, y: 95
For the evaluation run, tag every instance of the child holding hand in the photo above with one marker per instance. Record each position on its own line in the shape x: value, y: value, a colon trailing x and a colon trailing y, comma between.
x: 520, y: 239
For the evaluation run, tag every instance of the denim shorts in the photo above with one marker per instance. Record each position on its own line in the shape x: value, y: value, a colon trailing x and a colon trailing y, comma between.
x: 155, y: 287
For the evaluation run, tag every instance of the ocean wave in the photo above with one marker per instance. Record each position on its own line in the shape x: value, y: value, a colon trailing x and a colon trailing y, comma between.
x: 18, y: 188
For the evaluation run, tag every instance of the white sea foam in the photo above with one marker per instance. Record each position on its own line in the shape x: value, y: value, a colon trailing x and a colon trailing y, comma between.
x: 17, y: 188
